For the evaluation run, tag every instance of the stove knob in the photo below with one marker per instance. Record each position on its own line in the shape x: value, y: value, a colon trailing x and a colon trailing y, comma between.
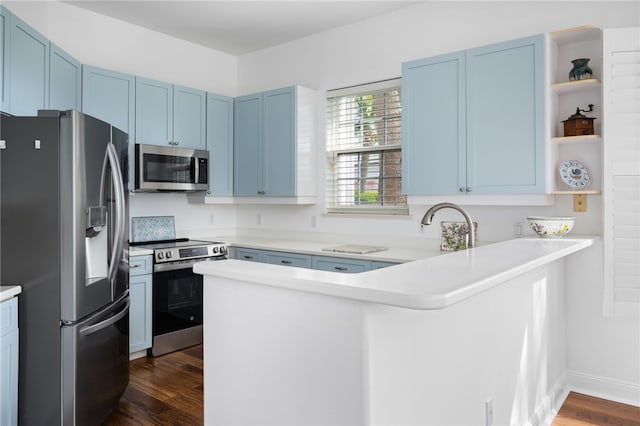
x: 160, y: 255
x: 215, y: 250
x: 168, y: 255
x: 223, y: 249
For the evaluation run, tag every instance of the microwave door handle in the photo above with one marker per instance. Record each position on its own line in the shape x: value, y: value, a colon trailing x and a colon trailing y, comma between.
x: 195, y: 170
x: 118, y: 187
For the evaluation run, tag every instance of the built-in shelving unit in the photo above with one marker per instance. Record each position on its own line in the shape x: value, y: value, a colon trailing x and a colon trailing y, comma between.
x: 565, y: 97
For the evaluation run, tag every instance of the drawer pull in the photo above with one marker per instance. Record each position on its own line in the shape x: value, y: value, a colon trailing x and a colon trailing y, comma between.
x: 340, y: 268
x: 134, y: 266
x: 286, y: 262
x: 246, y: 256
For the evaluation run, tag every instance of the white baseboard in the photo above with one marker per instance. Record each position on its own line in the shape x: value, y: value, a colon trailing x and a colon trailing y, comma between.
x: 547, y: 409
x: 613, y: 390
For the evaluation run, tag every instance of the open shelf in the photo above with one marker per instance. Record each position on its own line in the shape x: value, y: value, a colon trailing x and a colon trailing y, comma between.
x: 581, y: 192
x: 577, y: 139
x: 577, y: 86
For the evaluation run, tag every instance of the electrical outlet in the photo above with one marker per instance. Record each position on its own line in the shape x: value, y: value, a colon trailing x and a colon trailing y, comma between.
x: 517, y: 229
x: 488, y: 412
x: 259, y: 219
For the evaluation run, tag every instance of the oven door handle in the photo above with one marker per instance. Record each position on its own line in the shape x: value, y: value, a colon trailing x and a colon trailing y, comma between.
x: 182, y: 264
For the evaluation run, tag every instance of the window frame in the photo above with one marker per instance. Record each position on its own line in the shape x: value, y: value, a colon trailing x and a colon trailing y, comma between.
x: 331, y: 175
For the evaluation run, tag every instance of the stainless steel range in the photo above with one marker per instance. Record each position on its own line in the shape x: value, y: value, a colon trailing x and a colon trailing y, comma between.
x: 177, y: 291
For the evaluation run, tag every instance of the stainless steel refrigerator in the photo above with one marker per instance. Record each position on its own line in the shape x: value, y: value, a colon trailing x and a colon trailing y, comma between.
x: 64, y: 218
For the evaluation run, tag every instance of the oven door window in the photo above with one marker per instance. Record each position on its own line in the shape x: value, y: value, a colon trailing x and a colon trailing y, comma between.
x: 177, y: 300
x: 168, y: 168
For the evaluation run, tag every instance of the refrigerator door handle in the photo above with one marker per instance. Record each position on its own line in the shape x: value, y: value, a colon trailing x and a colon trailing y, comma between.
x: 85, y: 331
x: 118, y: 186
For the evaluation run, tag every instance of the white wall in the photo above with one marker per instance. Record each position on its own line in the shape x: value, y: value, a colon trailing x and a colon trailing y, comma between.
x: 101, y: 41
x: 368, y: 51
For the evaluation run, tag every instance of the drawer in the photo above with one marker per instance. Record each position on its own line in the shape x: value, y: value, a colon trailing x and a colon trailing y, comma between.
x: 140, y: 265
x: 8, y: 316
x: 336, y: 264
x: 287, y: 259
x: 378, y: 265
x: 250, y: 255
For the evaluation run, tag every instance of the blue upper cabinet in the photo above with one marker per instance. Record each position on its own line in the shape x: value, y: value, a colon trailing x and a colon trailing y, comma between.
x: 154, y: 112
x: 247, y: 133
x: 110, y: 96
x: 273, y: 145
x: 5, y: 39
x: 473, y: 121
x: 220, y: 144
x: 65, y: 80
x: 505, y: 117
x: 189, y: 117
x: 168, y: 114
x: 433, y: 125
x: 25, y: 75
x: 279, y: 144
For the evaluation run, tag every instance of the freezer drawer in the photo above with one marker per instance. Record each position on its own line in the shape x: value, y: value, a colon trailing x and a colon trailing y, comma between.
x: 95, y: 364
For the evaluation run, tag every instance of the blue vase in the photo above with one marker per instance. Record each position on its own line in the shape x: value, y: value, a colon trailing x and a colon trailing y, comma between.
x: 580, y: 70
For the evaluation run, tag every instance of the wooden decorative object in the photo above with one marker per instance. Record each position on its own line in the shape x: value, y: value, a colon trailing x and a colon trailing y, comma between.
x: 579, y: 124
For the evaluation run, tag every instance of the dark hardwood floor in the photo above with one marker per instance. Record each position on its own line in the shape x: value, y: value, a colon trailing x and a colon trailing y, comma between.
x: 168, y: 390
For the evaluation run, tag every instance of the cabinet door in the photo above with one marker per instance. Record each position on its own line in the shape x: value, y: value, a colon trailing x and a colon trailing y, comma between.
x: 287, y: 259
x: 338, y: 264
x: 433, y: 125
x: 154, y: 112
x: 247, y: 134
x: 29, y: 73
x: 279, y: 144
x: 65, y: 80
x: 220, y: 144
x: 140, y: 312
x: 5, y: 38
x: 250, y: 255
x: 110, y: 96
x: 380, y: 265
x: 9, y: 362
x: 189, y: 117
x: 505, y: 117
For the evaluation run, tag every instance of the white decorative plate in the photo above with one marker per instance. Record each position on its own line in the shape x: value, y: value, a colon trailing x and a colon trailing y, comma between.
x: 575, y: 174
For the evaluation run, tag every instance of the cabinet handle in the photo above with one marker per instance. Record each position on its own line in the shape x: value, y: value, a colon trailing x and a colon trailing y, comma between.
x: 260, y: 192
x: 286, y: 262
x: 247, y: 257
x: 468, y: 188
x: 176, y: 143
x: 340, y: 268
x: 135, y: 266
x: 462, y: 189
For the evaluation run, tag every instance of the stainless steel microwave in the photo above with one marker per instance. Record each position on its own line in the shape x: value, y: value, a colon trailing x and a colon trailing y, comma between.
x: 163, y: 168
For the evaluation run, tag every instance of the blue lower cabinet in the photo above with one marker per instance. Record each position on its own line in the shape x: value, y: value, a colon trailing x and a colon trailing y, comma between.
x: 299, y: 260
x: 339, y: 264
x: 250, y: 255
x: 140, y: 311
x: 287, y: 259
x: 9, y: 339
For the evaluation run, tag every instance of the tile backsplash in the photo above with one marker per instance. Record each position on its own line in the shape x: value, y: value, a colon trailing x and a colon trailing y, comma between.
x: 152, y: 228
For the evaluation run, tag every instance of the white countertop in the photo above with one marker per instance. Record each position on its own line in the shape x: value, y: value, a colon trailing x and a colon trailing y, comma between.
x: 394, y: 254
x: 433, y: 282
x: 9, y: 291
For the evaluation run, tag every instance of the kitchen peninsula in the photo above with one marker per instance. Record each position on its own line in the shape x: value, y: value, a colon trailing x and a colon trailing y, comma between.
x: 442, y: 340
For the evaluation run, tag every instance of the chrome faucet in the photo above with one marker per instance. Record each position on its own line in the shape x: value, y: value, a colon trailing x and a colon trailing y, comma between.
x: 428, y: 216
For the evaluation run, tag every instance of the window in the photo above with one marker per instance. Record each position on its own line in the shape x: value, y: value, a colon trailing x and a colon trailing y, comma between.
x: 364, y: 136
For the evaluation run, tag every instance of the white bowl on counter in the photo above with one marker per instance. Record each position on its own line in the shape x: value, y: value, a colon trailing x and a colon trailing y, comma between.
x: 551, y: 226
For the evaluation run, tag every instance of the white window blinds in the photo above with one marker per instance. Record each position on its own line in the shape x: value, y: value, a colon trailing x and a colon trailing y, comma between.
x: 621, y: 237
x: 364, y: 149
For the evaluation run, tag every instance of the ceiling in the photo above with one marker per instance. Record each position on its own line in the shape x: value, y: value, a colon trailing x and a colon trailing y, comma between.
x: 240, y: 26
